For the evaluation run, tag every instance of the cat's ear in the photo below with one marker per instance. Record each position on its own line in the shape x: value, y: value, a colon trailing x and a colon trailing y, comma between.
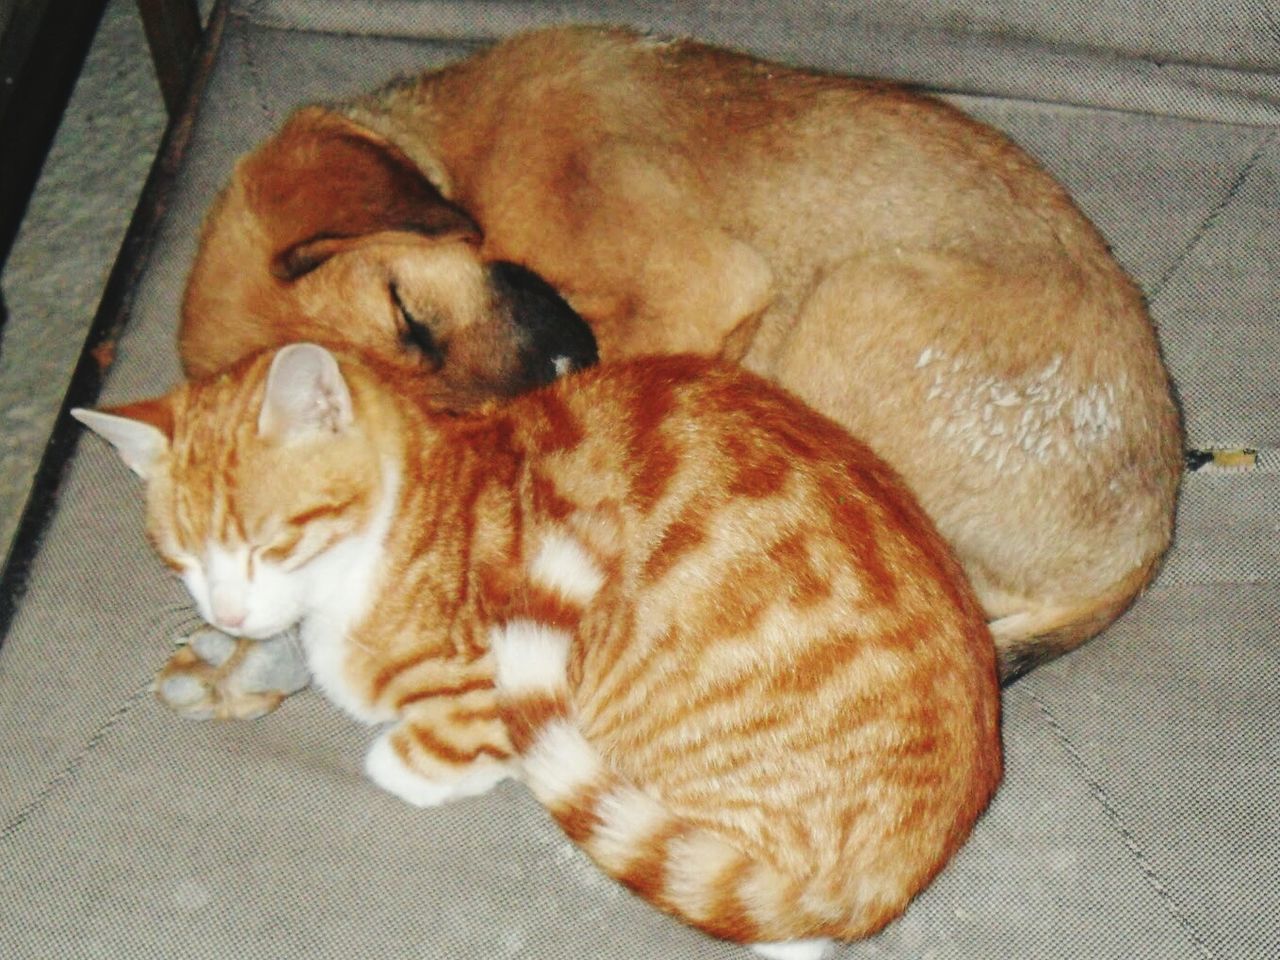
x: 140, y: 432
x: 305, y: 394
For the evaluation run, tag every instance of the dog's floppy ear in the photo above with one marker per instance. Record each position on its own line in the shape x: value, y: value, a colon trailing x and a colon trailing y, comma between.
x: 325, y: 183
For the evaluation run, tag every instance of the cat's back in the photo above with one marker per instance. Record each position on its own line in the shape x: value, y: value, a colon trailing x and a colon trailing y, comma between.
x: 697, y: 440
x: 782, y: 648
x: 699, y: 445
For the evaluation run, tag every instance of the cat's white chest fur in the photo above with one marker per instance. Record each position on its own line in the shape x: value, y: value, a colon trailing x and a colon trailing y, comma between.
x: 342, y: 587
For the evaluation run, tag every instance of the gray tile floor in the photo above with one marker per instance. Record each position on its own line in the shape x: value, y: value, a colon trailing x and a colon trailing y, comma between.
x: 73, y: 228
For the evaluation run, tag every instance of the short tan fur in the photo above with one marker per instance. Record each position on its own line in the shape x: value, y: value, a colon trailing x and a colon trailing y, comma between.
x: 906, y: 270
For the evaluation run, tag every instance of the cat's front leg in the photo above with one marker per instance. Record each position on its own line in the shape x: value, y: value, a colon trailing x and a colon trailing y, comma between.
x: 214, y: 676
x: 442, y: 750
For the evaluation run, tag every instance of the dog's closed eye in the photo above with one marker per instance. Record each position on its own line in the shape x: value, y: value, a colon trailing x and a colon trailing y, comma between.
x: 415, y: 334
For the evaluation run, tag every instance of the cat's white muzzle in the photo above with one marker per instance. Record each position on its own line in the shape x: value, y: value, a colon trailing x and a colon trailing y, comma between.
x: 255, y: 602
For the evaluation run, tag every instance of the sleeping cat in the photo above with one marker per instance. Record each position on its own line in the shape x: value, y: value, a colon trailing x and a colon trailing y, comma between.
x: 713, y: 632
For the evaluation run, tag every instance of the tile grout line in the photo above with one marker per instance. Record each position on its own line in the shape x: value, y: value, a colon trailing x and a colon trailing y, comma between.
x: 1130, y: 842
x: 1212, y: 217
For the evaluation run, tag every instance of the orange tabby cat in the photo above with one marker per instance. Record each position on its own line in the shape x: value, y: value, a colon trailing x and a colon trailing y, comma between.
x: 713, y: 632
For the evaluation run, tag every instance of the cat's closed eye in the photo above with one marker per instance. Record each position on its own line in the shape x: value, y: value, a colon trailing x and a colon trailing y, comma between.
x: 176, y: 561
x: 300, y: 543
x: 176, y: 564
x: 281, y: 550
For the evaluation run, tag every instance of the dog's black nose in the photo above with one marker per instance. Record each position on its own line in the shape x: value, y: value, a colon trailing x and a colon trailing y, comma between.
x: 556, y: 340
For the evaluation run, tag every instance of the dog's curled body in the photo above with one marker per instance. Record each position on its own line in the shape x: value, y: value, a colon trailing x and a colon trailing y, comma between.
x: 906, y: 270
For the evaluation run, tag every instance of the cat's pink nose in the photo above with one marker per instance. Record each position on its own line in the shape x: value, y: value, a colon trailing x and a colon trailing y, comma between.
x: 229, y: 620
x: 228, y: 614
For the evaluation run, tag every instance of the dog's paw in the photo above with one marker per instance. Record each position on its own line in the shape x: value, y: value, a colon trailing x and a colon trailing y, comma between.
x: 213, y: 676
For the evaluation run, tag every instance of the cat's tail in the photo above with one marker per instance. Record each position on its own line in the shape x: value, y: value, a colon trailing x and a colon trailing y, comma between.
x: 682, y: 868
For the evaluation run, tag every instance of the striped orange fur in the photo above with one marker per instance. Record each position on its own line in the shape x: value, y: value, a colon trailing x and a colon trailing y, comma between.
x: 729, y: 651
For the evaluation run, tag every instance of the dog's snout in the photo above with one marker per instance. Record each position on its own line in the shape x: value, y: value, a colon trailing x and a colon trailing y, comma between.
x: 568, y: 348
x: 556, y: 341
x: 555, y: 353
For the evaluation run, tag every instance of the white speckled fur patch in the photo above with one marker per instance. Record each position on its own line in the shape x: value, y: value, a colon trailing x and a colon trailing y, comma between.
x: 1010, y: 422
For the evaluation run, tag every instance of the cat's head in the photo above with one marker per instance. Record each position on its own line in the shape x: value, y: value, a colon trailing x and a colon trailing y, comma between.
x: 266, y: 487
x: 329, y: 233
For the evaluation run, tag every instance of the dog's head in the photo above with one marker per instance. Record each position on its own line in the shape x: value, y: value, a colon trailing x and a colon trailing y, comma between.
x: 331, y: 234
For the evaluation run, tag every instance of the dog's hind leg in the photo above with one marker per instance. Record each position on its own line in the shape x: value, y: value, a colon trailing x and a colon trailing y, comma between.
x: 1033, y: 448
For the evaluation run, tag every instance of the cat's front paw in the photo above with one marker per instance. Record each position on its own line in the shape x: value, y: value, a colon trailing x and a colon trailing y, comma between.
x: 213, y: 676
x: 384, y: 766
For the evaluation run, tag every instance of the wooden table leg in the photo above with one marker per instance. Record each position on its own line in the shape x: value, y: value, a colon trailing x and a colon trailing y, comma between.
x: 41, y: 52
x: 173, y: 34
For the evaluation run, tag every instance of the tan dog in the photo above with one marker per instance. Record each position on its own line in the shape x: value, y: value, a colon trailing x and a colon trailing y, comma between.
x: 905, y: 269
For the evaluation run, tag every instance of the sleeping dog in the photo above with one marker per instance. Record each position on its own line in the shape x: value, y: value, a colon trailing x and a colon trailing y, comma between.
x: 906, y: 270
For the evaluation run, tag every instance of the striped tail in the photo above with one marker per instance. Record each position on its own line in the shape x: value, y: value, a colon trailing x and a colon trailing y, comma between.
x: 684, y: 869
